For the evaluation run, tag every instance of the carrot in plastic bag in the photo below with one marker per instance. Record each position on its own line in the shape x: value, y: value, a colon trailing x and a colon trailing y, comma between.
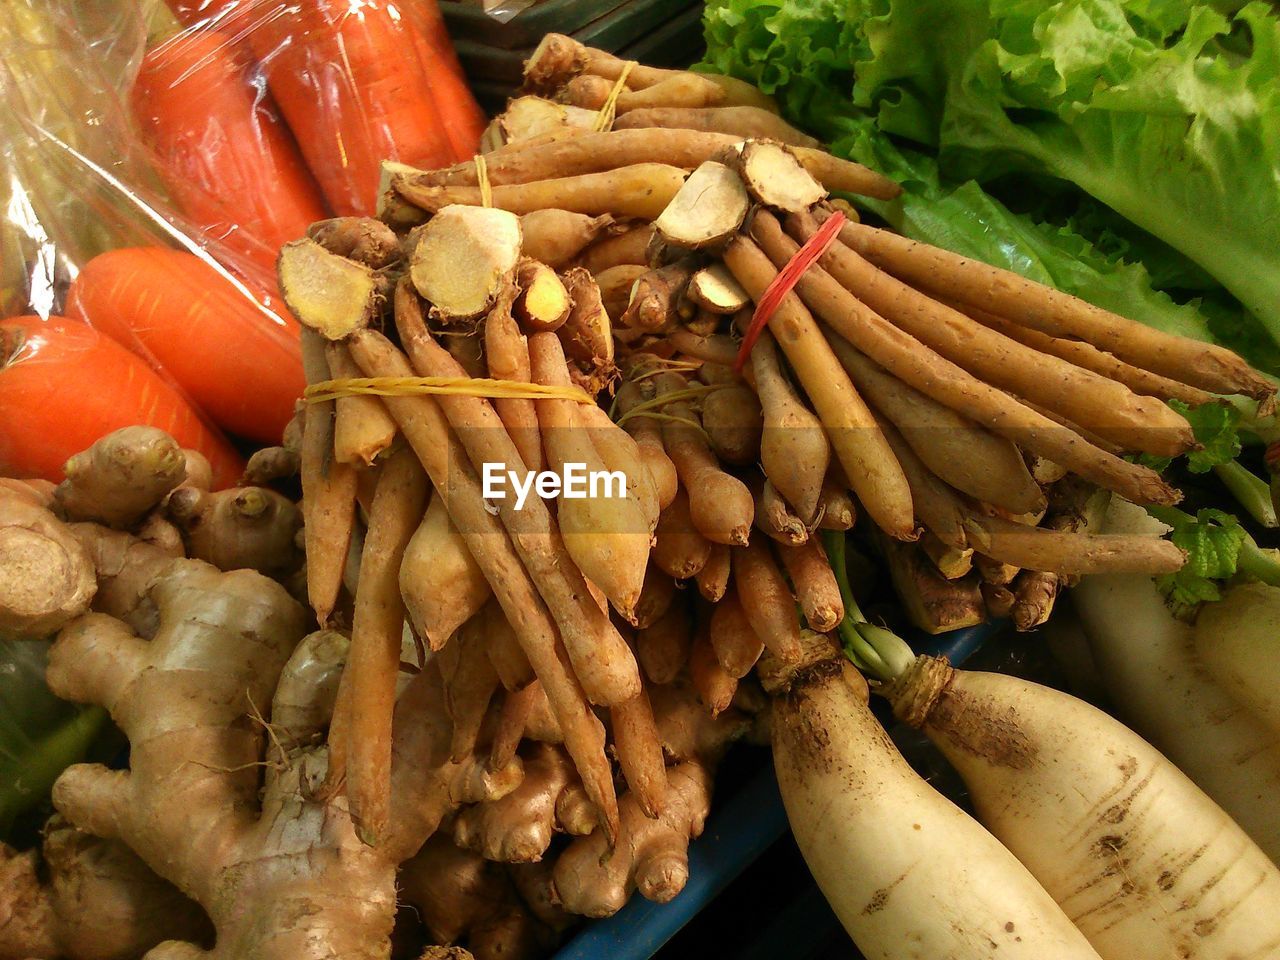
x: 463, y: 120
x: 351, y: 81
x: 223, y: 151
x: 241, y: 363
x: 63, y: 385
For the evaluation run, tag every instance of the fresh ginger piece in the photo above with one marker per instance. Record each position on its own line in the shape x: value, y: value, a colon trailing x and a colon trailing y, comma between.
x: 125, y: 566
x: 543, y: 302
x: 365, y: 240
x: 557, y: 237
x: 775, y: 177
x: 38, y: 493
x: 707, y: 210
x: 714, y: 289
x: 92, y: 899
x: 327, y: 292
x: 46, y: 576
x: 463, y: 258
x: 615, y: 285
x: 518, y: 828
x: 460, y: 896
x: 270, y: 464
x: 121, y: 477
x: 307, y: 691
x: 655, y: 297
x: 651, y: 856
x: 240, y: 527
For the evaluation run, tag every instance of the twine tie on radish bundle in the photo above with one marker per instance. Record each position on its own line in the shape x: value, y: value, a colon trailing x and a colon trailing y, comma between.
x: 609, y: 109
x: 440, y: 386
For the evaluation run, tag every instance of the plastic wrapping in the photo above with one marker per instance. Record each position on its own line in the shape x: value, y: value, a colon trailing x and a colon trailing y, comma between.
x: 154, y: 157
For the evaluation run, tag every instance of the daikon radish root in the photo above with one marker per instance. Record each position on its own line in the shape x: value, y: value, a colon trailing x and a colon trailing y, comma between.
x: 843, y: 781
x: 707, y: 210
x: 647, y: 433
x: 442, y: 585
x: 543, y: 302
x: 463, y: 258
x: 615, y: 285
x: 328, y: 491
x: 1057, y: 314
x: 794, y: 449
x: 734, y: 641
x: 974, y: 461
x: 374, y: 657
x: 715, y: 684
x: 775, y: 517
x: 470, y: 681
x: 655, y: 296
x: 765, y: 597
x: 606, y: 534
x: 1092, y: 400
x: 932, y: 603
x: 629, y: 248
x: 620, y: 453
x: 911, y: 361
x: 600, y: 657
x: 121, y: 477
x: 1143, y: 862
x: 720, y: 506
x: 427, y: 431
x: 1063, y: 551
x: 713, y: 578
x: 1235, y: 638
x: 506, y: 354
x: 1086, y: 355
x: 742, y: 121
x: 587, y: 334
x: 814, y: 584
x: 362, y: 428
x: 557, y: 237
x: 655, y: 598
x: 641, y: 190
x: 635, y: 740
x: 1148, y: 662
x: 868, y: 461
x: 679, y: 549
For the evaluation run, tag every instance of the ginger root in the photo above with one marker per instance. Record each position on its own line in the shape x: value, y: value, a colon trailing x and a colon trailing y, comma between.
x: 242, y: 528
x: 46, y: 576
x: 121, y: 477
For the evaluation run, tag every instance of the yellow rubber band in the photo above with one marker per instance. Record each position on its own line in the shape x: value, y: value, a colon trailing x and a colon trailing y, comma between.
x: 482, y: 179
x: 609, y: 109
x: 441, y: 386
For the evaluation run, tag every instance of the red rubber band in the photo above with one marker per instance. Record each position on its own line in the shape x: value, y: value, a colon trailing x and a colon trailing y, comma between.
x: 785, y: 281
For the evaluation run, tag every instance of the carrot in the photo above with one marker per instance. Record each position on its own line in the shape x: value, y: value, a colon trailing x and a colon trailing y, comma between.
x: 220, y: 146
x: 65, y: 385
x: 464, y: 121
x: 377, y: 106
x: 238, y: 361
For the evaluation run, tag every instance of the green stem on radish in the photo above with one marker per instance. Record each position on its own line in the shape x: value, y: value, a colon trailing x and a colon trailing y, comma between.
x: 1252, y: 492
x: 875, y: 650
x: 1257, y: 563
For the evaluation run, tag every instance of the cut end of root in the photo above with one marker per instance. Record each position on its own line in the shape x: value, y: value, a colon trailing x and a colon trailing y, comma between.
x: 543, y: 302
x: 775, y: 177
x: 714, y: 289
x: 913, y: 694
x: 708, y: 209
x: 463, y: 257
x: 326, y: 292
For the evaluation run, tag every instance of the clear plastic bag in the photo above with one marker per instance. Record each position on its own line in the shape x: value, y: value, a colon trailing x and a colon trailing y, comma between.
x: 149, y: 179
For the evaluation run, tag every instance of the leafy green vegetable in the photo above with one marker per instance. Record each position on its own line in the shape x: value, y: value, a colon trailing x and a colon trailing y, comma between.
x: 1167, y: 112
x: 1216, y: 428
x: 1217, y: 548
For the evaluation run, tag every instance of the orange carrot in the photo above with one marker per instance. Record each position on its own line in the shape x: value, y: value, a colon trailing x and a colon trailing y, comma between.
x: 63, y: 385
x: 221, y: 147
x: 463, y: 120
x: 238, y: 362
x: 356, y: 89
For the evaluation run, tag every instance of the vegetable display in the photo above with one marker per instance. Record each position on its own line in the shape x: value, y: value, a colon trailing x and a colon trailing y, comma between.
x: 580, y: 441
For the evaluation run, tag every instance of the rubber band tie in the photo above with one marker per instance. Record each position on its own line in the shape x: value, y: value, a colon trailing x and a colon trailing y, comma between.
x: 440, y: 386
x: 609, y: 109
x: 482, y: 180
x: 785, y: 282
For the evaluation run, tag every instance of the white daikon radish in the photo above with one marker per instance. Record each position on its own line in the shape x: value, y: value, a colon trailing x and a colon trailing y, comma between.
x: 1144, y: 863
x: 910, y: 875
x: 1238, y: 640
x: 1162, y: 689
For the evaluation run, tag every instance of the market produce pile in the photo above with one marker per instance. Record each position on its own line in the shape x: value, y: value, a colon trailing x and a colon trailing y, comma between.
x: 432, y: 681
